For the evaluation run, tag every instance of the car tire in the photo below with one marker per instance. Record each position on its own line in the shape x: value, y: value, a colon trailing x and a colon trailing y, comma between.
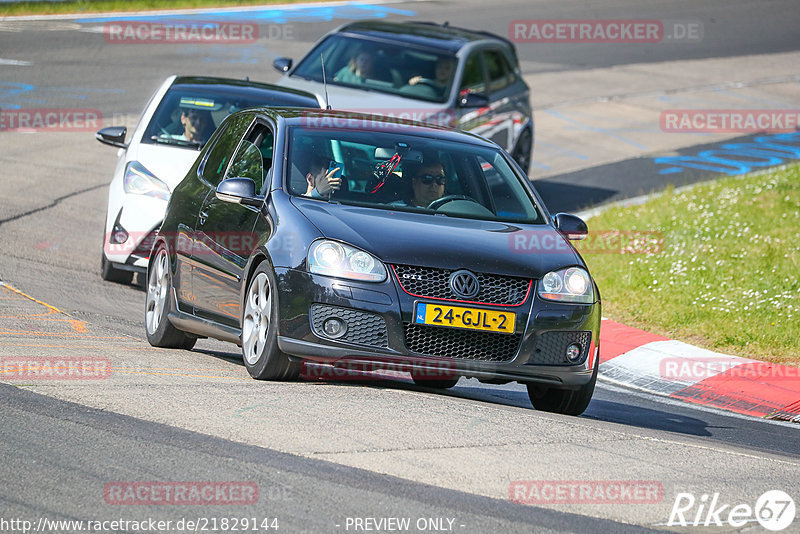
x: 523, y: 150
x: 442, y: 383
x: 262, y: 357
x: 160, y: 331
x: 109, y: 273
x: 563, y: 401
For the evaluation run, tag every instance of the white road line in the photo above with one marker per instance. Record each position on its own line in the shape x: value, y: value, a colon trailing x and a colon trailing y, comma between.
x: 16, y: 62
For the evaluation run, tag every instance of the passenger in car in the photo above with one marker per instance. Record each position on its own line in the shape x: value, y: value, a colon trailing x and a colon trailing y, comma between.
x: 321, y: 182
x: 358, y: 70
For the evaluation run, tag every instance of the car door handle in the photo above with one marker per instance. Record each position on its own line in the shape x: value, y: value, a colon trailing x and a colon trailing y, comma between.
x: 203, y: 217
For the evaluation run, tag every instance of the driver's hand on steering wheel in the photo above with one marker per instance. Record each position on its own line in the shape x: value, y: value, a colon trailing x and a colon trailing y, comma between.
x: 415, y: 80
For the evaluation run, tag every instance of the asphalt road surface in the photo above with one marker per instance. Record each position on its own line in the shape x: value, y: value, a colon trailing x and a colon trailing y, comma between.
x: 328, y: 455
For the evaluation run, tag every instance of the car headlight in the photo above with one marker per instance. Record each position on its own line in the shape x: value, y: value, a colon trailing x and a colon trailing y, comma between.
x: 139, y: 181
x: 567, y: 285
x: 332, y: 258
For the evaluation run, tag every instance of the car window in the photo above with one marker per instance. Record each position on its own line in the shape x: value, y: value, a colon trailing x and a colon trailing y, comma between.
x: 504, y: 196
x: 501, y: 75
x: 247, y: 163
x: 398, y: 170
x: 383, y: 67
x: 189, y: 113
x: 472, y: 80
x: 253, y: 158
x: 219, y: 156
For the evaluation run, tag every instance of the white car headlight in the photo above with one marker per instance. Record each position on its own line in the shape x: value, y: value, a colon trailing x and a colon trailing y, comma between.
x: 567, y: 285
x: 139, y: 181
x: 332, y: 258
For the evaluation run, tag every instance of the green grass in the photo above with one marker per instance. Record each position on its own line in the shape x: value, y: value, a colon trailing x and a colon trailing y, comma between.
x: 97, y: 6
x: 727, y: 275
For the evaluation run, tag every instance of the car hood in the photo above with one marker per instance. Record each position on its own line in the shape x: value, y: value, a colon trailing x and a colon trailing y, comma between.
x: 168, y: 163
x: 373, y: 102
x: 398, y: 237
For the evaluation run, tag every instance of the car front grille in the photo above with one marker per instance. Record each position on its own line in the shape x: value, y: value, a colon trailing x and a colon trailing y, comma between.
x: 433, y: 283
x: 363, y: 328
x: 461, y: 344
x: 551, y: 347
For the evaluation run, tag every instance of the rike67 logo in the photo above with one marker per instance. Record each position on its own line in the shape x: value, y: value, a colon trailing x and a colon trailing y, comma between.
x: 774, y: 510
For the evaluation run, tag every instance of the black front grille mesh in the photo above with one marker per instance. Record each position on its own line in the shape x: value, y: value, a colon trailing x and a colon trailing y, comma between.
x: 362, y: 327
x: 461, y: 344
x: 433, y: 283
x: 551, y: 347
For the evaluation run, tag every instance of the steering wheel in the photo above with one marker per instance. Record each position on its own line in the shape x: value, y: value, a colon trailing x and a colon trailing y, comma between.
x: 439, y: 202
x: 429, y: 82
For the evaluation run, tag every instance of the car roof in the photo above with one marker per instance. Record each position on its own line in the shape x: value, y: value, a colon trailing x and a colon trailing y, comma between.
x: 283, y: 96
x: 425, y: 34
x: 347, y: 120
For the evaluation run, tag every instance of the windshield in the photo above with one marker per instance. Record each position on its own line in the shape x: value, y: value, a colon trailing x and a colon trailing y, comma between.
x: 189, y: 114
x: 406, y: 172
x: 376, y: 66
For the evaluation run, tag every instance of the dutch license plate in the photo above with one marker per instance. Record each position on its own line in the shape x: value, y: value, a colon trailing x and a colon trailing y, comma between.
x: 469, y: 318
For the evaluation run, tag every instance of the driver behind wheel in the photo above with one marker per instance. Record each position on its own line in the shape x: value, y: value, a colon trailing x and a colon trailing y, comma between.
x: 427, y: 182
x: 197, y: 124
x: 445, y: 67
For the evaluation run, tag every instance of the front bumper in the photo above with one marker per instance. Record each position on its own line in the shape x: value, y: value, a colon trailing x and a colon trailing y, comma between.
x: 382, y: 331
x: 140, y: 217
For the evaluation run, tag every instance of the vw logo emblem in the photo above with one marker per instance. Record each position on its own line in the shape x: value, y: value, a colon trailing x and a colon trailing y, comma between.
x: 464, y: 284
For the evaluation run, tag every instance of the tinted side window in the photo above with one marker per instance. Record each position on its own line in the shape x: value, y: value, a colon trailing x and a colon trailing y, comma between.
x: 220, y: 154
x: 247, y: 163
x: 501, y: 74
x: 472, y: 80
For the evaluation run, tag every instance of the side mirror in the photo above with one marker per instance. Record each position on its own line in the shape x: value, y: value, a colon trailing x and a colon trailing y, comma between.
x: 570, y: 226
x: 113, y: 135
x: 282, y: 64
x: 239, y: 191
x: 473, y: 100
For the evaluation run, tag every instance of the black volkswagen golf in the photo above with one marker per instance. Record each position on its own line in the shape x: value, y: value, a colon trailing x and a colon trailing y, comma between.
x: 341, y: 239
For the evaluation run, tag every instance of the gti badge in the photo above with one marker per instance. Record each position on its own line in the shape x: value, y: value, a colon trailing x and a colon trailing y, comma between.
x: 464, y: 284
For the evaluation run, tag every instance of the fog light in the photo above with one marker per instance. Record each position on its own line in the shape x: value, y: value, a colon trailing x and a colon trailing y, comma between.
x: 119, y: 235
x: 334, y: 327
x: 573, y: 352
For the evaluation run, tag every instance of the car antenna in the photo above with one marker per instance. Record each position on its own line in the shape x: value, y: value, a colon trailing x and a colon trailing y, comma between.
x: 324, y: 82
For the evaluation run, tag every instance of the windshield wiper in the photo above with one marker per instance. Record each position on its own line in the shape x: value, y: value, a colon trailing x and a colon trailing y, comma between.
x: 179, y: 142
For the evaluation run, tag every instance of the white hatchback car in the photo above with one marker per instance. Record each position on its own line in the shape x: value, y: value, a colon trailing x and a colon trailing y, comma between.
x: 175, y: 124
